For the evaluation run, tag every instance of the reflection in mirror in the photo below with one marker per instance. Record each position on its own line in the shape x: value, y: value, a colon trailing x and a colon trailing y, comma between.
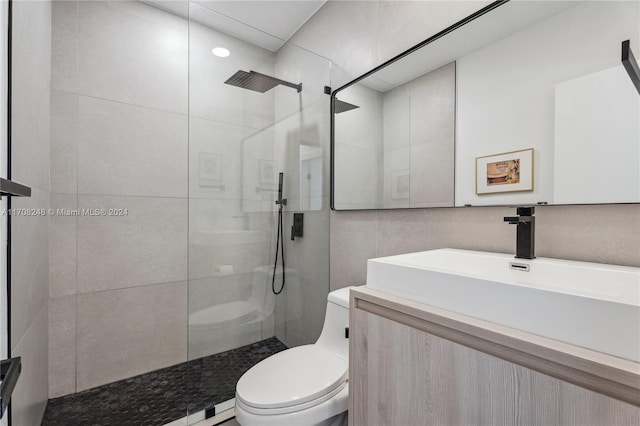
x: 310, y: 177
x: 534, y: 75
x: 394, y: 144
x: 564, y: 93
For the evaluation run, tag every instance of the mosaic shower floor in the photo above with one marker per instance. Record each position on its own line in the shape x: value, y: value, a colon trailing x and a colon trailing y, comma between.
x: 161, y: 396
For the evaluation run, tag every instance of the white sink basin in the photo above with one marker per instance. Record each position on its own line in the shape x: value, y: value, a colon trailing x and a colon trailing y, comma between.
x: 591, y: 305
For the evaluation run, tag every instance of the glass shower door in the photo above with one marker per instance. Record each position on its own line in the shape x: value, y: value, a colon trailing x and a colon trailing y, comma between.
x: 248, y: 122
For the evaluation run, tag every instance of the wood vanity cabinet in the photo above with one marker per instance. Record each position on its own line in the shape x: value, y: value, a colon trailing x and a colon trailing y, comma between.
x: 412, y: 364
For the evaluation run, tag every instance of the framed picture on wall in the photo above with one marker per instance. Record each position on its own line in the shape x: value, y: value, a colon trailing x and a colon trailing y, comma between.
x: 505, y: 172
x: 400, y: 184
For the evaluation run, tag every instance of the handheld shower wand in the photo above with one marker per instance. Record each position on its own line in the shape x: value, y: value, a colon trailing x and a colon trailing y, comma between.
x: 280, y: 200
x: 280, y: 238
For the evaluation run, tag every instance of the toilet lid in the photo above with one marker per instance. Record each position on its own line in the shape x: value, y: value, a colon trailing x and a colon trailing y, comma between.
x: 292, y: 377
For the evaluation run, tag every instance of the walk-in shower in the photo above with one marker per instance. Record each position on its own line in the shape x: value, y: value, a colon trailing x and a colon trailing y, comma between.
x: 173, y: 301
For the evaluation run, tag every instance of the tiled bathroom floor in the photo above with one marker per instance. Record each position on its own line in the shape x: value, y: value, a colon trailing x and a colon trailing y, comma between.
x: 161, y: 396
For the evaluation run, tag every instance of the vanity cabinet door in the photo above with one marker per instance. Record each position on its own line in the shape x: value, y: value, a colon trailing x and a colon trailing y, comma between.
x: 400, y: 375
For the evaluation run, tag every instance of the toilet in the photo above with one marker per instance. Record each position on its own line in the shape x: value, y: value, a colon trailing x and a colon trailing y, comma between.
x: 302, y: 386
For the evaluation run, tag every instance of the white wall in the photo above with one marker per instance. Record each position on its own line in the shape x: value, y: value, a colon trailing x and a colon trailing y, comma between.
x: 30, y: 235
x: 597, y: 123
x: 360, y: 35
x: 506, y: 91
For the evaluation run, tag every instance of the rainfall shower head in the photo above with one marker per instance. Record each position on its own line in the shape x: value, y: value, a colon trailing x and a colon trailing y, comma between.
x: 258, y: 82
x: 342, y: 106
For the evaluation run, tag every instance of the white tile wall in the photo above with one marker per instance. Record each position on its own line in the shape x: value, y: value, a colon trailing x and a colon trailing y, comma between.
x: 131, y: 150
x: 62, y: 346
x: 31, y: 50
x: 31, y: 77
x: 122, y: 333
x: 146, y: 246
x: 29, y: 262
x: 133, y: 53
x: 64, y: 46
x: 64, y: 142
x: 29, y: 398
x: 62, y: 245
x: 209, y: 97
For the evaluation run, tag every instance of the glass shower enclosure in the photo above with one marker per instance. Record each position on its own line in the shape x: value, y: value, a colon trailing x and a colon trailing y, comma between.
x: 173, y: 297
x: 257, y: 109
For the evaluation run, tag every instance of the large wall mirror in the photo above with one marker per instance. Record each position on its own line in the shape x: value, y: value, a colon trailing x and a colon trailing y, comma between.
x: 524, y: 102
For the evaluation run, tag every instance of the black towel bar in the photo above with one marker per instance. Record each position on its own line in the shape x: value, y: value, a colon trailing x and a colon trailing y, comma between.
x: 14, y: 189
x: 10, y: 370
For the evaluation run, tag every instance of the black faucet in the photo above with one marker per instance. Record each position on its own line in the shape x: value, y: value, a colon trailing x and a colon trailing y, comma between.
x: 526, y: 232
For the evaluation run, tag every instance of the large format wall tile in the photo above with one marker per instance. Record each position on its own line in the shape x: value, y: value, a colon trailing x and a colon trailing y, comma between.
x: 130, y: 150
x: 613, y: 237
x: 64, y: 142
x: 314, y: 72
x: 29, y: 398
x: 29, y: 261
x: 31, y: 66
x: 62, y: 245
x: 64, y: 45
x: 146, y: 246
x: 307, y: 286
x: 604, y: 234
x: 404, y: 24
x: 210, y: 98
x: 62, y: 346
x: 353, y: 241
x: 123, y: 333
x: 30, y: 159
x: 133, y: 53
x: 345, y: 32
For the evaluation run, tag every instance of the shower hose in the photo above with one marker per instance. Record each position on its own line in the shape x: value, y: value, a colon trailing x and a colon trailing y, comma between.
x: 279, y: 243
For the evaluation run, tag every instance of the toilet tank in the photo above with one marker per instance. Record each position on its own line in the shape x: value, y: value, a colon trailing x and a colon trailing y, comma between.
x: 336, y: 321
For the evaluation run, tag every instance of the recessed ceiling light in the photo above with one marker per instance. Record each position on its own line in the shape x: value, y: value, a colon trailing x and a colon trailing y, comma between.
x: 221, y: 52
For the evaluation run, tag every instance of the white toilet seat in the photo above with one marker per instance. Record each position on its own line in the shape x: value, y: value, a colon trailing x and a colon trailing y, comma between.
x: 292, y: 408
x: 293, y: 380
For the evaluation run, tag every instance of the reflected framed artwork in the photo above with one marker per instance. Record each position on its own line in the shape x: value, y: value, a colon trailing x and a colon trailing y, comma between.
x: 267, y: 171
x: 505, y: 172
x: 400, y: 184
x: 209, y: 169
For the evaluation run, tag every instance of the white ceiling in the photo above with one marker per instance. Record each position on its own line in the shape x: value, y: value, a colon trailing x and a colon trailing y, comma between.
x: 265, y: 23
x: 507, y: 19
